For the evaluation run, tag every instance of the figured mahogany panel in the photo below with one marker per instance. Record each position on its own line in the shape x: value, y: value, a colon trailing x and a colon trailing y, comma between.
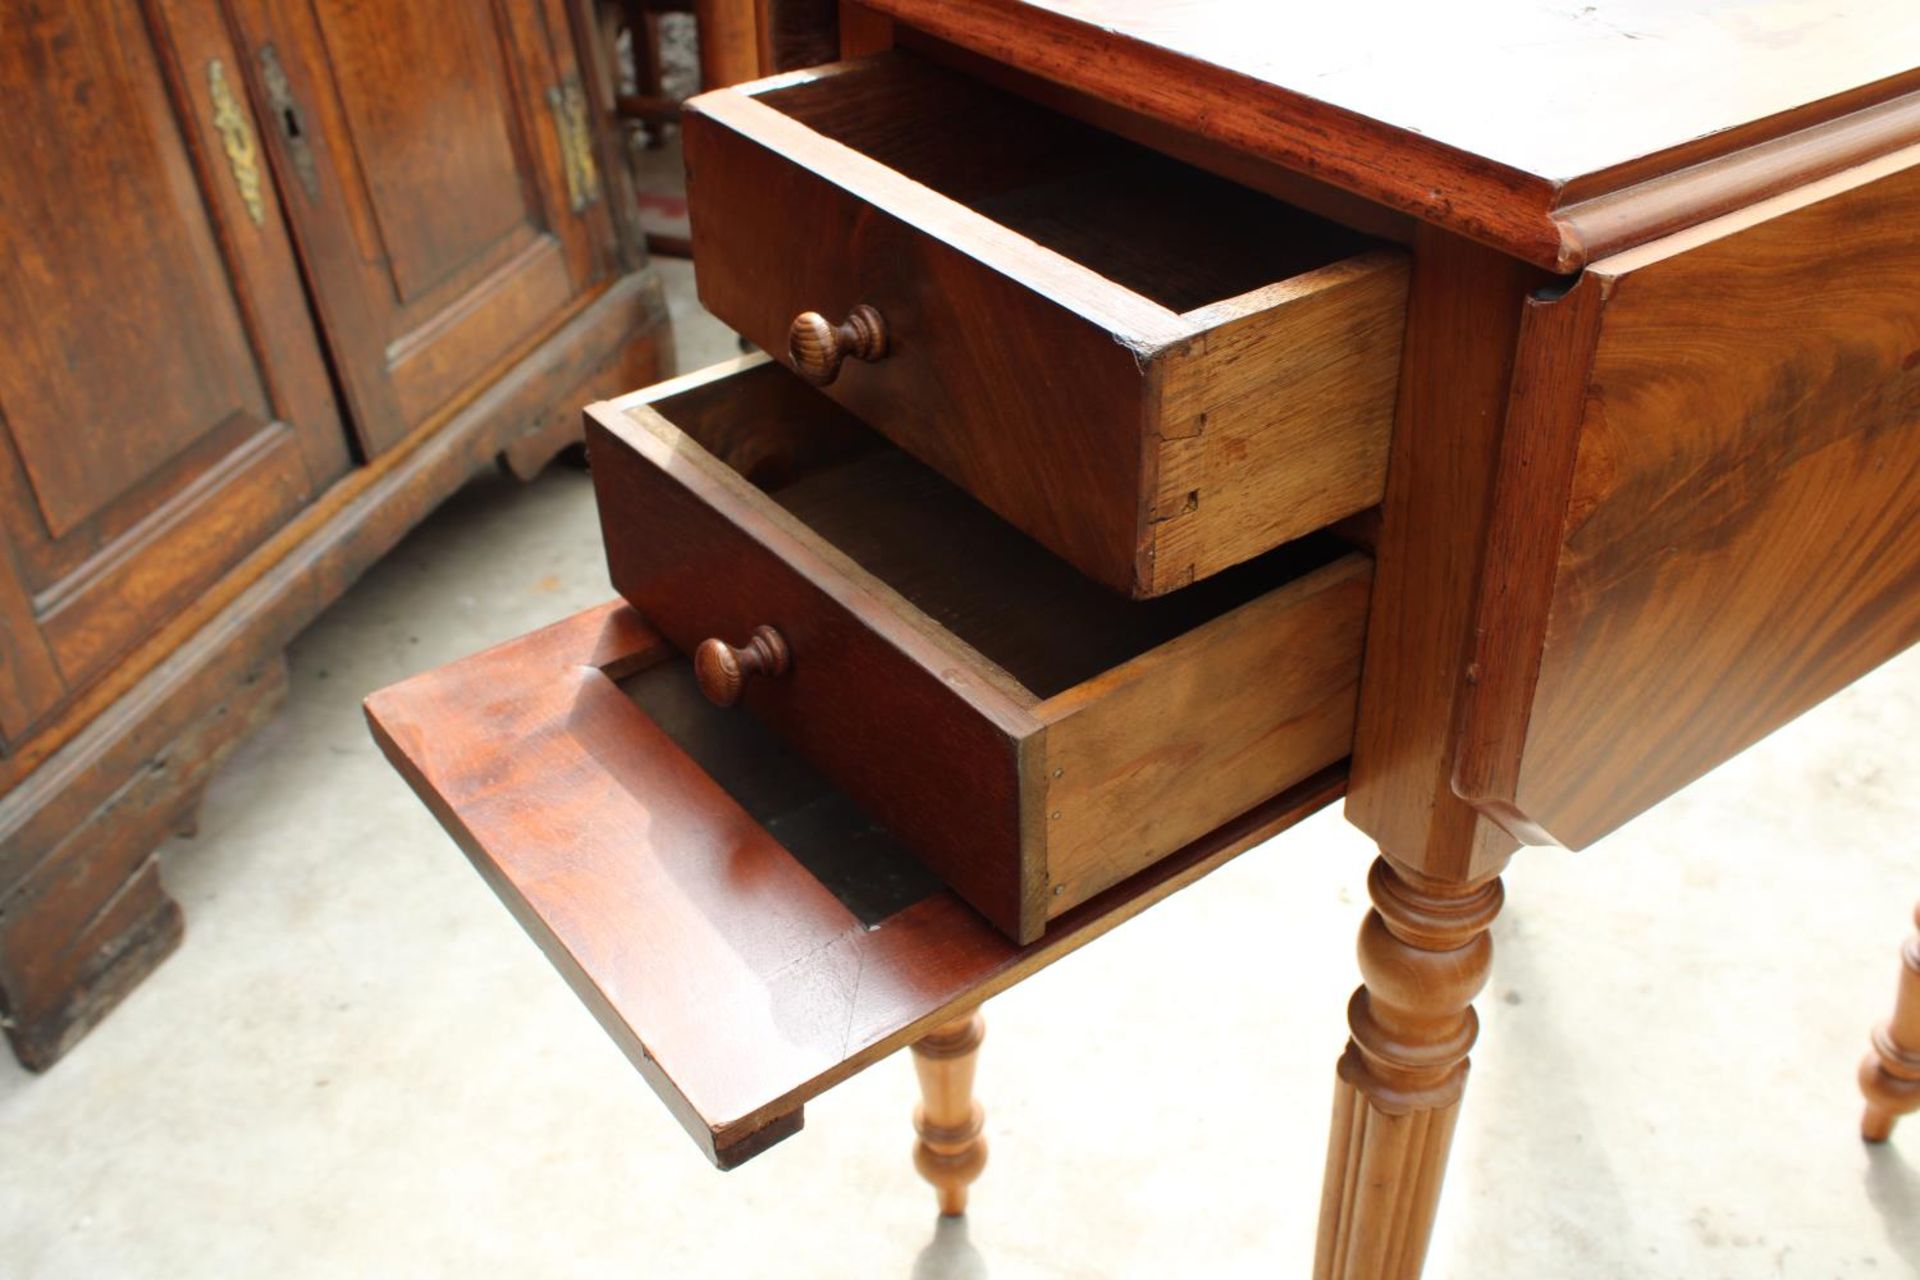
x: 733, y: 978
x: 163, y: 402
x: 1721, y: 493
x: 1496, y: 120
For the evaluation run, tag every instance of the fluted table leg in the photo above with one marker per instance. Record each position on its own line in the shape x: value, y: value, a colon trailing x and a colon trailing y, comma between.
x: 1424, y: 955
x: 951, y: 1151
x: 1890, y: 1074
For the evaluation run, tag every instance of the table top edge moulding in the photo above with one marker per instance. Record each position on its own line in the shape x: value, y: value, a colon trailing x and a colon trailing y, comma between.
x: 734, y: 981
x: 1558, y: 157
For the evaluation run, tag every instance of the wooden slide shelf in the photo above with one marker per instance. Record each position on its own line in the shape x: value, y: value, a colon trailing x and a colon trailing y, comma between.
x: 745, y: 934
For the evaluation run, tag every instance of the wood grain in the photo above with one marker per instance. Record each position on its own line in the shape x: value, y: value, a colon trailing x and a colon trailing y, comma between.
x: 1245, y: 168
x: 928, y: 737
x: 798, y: 33
x: 1144, y: 755
x: 1154, y: 373
x: 1528, y: 505
x: 1490, y: 121
x: 862, y: 30
x: 735, y: 982
x: 950, y: 1152
x: 91, y: 919
x: 1019, y: 609
x: 937, y: 654
x: 175, y: 491
x: 163, y: 402
x: 414, y: 149
x: 415, y: 311
x: 1424, y: 954
x: 88, y: 797
x: 1890, y: 1073
x: 1278, y: 413
x: 1735, y: 529
x: 1463, y: 315
x: 729, y: 45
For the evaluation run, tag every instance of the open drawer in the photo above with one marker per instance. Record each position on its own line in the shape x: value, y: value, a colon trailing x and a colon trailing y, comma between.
x: 746, y: 935
x: 1032, y: 736
x: 1152, y: 371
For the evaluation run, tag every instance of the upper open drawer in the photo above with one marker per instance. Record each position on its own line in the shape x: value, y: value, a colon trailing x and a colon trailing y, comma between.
x: 1152, y: 371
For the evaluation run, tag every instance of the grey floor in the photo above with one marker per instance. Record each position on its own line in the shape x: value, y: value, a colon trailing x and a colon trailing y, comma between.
x: 358, y: 1066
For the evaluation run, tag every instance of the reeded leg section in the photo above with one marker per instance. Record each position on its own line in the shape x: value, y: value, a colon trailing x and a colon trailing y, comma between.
x: 1890, y: 1074
x: 951, y: 1151
x: 1424, y: 955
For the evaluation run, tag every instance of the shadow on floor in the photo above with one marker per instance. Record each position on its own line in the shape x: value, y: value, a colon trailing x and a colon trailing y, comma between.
x: 1894, y: 1188
x: 949, y: 1255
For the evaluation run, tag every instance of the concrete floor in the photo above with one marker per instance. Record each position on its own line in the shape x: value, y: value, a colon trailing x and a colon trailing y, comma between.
x: 358, y: 1066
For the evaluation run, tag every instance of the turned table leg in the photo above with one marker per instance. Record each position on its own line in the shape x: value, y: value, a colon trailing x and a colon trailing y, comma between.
x: 1424, y: 955
x: 951, y: 1151
x: 1890, y: 1074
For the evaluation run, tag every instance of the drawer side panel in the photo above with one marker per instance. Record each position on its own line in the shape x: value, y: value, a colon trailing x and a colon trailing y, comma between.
x: 1275, y: 420
x: 1161, y: 749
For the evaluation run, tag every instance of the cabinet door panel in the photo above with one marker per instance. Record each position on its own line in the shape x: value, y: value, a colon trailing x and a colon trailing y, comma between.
x: 116, y: 282
x: 416, y: 148
x: 439, y: 228
x: 163, y: 399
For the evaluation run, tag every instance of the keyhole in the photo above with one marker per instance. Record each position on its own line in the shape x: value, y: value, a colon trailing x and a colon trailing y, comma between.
x: 291, y: 122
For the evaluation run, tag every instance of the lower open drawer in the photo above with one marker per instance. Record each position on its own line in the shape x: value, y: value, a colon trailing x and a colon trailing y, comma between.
x: 1034, y: 737
x: 745, y: 932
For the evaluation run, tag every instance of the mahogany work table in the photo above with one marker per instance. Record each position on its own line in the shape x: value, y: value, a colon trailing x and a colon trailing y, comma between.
x: 1519, y: 402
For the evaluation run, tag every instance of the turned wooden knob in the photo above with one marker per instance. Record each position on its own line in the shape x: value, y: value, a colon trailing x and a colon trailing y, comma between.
x: 818, y: 348
x: 723, y: 671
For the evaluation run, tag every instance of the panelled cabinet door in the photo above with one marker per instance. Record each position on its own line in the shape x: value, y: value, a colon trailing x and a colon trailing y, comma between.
x: 163, y: 401
x: 437, y: 160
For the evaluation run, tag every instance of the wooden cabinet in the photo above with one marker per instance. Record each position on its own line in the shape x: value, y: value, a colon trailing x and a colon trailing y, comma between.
x: 165, y: 403
x: 278, y: 277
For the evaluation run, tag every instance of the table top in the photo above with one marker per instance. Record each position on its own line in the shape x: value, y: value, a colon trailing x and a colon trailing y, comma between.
x: 1506, y: 110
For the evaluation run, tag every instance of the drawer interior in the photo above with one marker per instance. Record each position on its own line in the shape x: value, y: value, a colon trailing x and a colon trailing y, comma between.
x: 1019, y: 607
x: 858, y: 861
x: 1176, y: 235
x: 1154, y: 372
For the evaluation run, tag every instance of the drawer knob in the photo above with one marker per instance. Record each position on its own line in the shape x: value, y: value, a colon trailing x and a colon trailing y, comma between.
x: 818, y: 348
x: 723, y: 671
